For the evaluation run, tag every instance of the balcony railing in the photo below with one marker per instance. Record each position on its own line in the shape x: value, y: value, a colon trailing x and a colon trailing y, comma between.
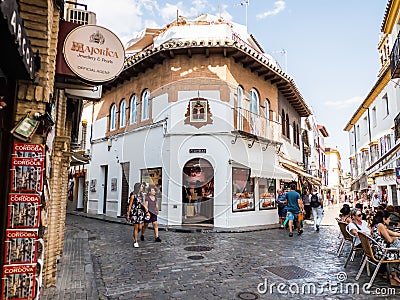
x: 256, y: 124
x: 395, y: 59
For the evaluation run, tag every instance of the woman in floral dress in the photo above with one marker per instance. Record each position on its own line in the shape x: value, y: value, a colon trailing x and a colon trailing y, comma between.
x: 386, y: 238
x: 137, y: 211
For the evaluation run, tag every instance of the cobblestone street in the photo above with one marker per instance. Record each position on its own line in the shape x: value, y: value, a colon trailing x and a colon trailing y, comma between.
x: 233, y: 269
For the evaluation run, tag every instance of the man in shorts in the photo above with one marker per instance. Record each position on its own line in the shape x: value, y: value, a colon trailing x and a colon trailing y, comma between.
x: 294, y: 207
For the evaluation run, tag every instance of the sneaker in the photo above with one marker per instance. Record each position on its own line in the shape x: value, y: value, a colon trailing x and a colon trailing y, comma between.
x: 300, y: 232
x: 290, y: 234
x: 136, y: 245
x: 281, y: 227
x: 158, y: 239
x: 142, y: 237
x: 317, y: 228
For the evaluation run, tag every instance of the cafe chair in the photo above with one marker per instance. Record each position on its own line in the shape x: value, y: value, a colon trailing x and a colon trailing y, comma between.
x: 370, y: 258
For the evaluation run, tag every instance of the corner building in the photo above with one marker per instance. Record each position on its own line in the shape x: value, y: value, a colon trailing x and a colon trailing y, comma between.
x: 199, y: 107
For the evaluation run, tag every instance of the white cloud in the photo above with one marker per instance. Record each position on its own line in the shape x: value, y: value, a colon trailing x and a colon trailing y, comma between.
x: 279, y: 6
x: 339, y: 104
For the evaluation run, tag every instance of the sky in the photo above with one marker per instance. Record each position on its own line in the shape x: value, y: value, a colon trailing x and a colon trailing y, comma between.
x: 331, y: 46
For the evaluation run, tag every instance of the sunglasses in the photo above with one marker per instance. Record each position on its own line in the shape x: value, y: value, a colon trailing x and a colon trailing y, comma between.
x: 358, y: 215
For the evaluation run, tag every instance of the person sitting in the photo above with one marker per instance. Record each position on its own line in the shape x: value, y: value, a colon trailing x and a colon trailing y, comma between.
x: 345, y: 214
x: 357, y: 224
x: 386, y: 238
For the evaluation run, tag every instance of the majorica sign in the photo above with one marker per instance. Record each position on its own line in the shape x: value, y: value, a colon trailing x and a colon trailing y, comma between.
x: 94, y: 53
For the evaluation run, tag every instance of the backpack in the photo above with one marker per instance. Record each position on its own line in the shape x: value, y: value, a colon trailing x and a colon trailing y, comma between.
x: 314, y: 201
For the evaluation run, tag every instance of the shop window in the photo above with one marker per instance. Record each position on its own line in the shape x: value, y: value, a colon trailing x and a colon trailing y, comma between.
x: 153, y: 178
x: 267, y: 188
x: 133, y: 109
x: 146, y: 105
x: 243, y: 190
x: 113, y: 117
x: 122, y: 114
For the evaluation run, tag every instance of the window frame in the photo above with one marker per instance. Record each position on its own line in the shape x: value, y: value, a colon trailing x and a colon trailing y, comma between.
x: 122, y: 113
x: 133, y: 109
x: 113, y: 117
x: 145, y: 105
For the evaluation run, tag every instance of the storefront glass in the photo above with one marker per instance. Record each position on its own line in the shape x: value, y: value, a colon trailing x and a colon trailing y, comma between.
x: 153, y: 177
x: 243, y: 190
x: 267, y: 189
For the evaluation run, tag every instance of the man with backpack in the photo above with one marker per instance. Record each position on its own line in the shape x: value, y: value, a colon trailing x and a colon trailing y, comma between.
x: 316, y: 203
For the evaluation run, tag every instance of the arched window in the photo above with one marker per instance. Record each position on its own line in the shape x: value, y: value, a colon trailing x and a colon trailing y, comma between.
x: 239, y: 100
x: 145, y: 105
x: 122, y: 113
x: 287, y: 126
x: 133, y: 111
x: 254, y: 102
x: 283, y: 123
x: 266, y: 104
x: 113, y: 117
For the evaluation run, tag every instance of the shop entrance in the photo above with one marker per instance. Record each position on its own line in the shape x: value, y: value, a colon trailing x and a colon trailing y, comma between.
x: 198, y: 192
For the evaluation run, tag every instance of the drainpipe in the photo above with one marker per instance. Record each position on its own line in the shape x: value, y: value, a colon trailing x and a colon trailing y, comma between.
x: 369, y: 126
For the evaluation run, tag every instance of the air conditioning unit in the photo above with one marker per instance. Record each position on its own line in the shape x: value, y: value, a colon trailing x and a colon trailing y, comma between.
x: 80, y: 16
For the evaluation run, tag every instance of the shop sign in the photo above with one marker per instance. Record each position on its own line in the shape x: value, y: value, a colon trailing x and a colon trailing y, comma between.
x: 197, y: 150
x: 27, y: 168
x: 19, y: 281
x: 9, y: 9
x: 94, y: 53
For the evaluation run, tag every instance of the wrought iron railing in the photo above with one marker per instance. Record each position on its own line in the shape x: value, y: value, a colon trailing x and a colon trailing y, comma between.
x: 256, y: 124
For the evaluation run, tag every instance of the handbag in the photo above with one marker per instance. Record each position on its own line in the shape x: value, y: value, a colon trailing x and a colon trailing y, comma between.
x: 300, y: 217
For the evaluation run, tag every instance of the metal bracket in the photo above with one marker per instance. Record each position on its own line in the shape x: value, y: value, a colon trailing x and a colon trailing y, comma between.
x: 234, y: 141
x: 278, y: 149
x: 265, y: 147
x: 251, y: 145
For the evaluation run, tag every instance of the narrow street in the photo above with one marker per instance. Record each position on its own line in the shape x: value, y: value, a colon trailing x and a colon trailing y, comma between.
x: 233, y: 268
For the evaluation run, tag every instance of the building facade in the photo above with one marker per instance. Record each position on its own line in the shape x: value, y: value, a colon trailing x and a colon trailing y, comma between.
x: 198, y: 105
x: 372, y: 138
x: 333, y: 165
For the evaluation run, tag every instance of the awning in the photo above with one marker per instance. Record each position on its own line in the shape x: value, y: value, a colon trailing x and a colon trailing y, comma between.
x: 79, y: 159
x: 274, y: 172
x: 387, y: 158
x: 360, y: 183
x: 309, y: 177
x: 265, y: 170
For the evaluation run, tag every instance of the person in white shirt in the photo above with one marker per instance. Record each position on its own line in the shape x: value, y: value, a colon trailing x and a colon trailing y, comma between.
x: 316, y: 203
x: 375, y: 201
x: 358, y: 224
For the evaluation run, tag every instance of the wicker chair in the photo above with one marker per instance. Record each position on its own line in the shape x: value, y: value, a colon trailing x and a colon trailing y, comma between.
x: 346, y: 237
x: 367, y: 243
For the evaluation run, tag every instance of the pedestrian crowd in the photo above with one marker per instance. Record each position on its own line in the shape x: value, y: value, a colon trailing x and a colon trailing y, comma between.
x: 379, y: 221
x: 293, y: 209
x: 142, y: 210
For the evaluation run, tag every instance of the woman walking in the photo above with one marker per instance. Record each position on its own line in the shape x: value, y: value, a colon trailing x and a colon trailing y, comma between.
x: 137, y: 210
x: 152, y: 205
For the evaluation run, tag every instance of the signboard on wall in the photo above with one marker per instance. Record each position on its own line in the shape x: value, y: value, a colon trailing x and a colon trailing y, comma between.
x: 94, y: 53
x: 27, y: 167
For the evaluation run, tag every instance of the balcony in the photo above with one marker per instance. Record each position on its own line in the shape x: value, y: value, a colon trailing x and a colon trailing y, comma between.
x: 255, y: 124
x: 395, y: 59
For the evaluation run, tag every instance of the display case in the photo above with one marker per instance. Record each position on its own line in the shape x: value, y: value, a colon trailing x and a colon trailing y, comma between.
x: 267, y: 190
x: 242, y: 189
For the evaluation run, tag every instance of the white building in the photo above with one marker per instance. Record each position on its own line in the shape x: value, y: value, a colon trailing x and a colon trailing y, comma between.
x: 200, y: 104
x: 372, y: 139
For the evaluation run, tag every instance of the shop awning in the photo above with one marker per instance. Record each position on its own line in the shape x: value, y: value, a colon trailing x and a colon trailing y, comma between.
x: 79, y: 159
x: 385, y: 159
x: 273, y: 172
x: 313, y: 180
x: 266, y: 170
